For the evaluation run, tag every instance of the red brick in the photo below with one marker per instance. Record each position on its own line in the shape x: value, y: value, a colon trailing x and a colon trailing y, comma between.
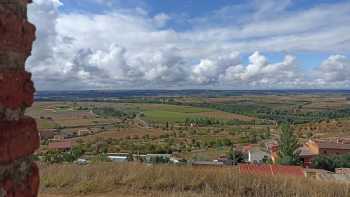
x: 18, y: 139
x: 17, y: 34
x: 28, y: 188
x: 16, y: 89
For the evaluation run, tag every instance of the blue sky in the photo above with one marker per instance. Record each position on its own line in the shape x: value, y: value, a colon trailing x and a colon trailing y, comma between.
x: 176, y: 44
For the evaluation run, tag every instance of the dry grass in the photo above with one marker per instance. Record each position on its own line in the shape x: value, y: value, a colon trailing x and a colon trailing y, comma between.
x: 139, y: 180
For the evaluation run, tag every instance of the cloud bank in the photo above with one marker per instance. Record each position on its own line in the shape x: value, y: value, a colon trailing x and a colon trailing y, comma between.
x: 129, y: 48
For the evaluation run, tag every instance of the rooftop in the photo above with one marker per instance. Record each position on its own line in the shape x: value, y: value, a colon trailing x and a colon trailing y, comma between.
x: 272, y: 170
x: 305, y: 151
x: 332, y: 145
x: 60, y: 145
x: 214, y: 163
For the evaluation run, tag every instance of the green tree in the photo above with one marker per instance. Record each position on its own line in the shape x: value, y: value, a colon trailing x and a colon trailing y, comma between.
x: 288, y: 145
x: 236, y: 155
x: 53, y: 157
x: 324, y: 162
x: 331, y: 162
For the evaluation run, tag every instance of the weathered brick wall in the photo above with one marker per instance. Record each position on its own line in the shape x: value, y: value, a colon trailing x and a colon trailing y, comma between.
x: 19, y: 176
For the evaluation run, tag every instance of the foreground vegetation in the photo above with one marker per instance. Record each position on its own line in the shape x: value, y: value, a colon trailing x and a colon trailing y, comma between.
x: 137, y: 180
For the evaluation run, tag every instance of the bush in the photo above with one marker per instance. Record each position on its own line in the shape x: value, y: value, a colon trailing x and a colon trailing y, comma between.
x: 331, y: 162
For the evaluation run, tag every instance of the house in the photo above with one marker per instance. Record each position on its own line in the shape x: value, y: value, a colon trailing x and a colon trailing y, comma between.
x: 58, y: 137
x: 306, y: 156
x: 207, y: 163
x: 47, y: 134
x: 81, y: 161
x: 225, y: 160
x: 311, y: 149
x: 271, y: 170
x: 83, y: 132
x: 177, y: 160
x: 328, y: 147
x: 62, y: 135
x: 67, y: 134
x: 139, y: 157
x: 255, y: 154
x: 61, y: 146
x: 118, y: 158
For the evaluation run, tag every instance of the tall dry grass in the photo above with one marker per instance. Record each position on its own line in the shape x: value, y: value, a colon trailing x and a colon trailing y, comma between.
x: 141, y: 180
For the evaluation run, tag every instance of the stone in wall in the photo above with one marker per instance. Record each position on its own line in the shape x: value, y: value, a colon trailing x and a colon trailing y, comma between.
x: 17, y: 34
x: 18, y: 139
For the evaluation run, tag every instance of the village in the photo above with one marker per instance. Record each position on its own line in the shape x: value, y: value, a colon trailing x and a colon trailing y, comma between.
x: 250, y: 159
x: 86, y: 133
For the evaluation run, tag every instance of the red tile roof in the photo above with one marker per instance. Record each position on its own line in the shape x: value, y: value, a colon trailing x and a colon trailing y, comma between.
x: 272, y: 170
x: 305, y: 152
x: 60, y: 145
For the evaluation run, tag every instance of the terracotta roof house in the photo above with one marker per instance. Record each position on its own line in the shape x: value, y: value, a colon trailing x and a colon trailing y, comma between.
x: 62, y: 146
x: 272, y: 170
x: 306, y: 156
x: 327, y: 147
x: 312, y: 148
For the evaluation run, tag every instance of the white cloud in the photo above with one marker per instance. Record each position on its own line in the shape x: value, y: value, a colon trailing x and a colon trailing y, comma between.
x: 161, y: 19
x: 208, y: 71
x: 264, y: 74
x: 129, y: 48
x: 334, y: 70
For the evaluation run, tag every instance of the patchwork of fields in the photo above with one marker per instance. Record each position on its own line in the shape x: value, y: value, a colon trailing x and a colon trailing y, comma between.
x: 192, y: 126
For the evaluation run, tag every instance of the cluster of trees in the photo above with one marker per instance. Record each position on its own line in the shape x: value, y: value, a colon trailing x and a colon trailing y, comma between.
x: 112, y: 112
x: 250, y: 110
x: 278, y: 115
x: 254, y: 136
x: 331, y: 162
x: 53, y: 156
x: 202, y: 121
x: 206, y: 121
x: 237, y: 156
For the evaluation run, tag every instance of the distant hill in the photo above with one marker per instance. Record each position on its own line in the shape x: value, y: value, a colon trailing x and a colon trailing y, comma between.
x: 122, y: 94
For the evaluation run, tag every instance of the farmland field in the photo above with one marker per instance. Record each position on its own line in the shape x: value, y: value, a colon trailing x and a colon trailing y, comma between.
x: 202, y: 128
x: 192, y: 126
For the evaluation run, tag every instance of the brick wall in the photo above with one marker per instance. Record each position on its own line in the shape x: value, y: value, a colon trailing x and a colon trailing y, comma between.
x: 19, y: 176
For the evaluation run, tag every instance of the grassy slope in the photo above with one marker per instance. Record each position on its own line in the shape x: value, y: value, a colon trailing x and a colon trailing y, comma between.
x: 140, y: 180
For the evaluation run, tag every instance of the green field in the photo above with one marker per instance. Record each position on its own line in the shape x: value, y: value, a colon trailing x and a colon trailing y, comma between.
x: 165, y: 116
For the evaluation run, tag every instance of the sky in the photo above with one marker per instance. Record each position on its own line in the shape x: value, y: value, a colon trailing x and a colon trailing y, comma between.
x: 190, y: 44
